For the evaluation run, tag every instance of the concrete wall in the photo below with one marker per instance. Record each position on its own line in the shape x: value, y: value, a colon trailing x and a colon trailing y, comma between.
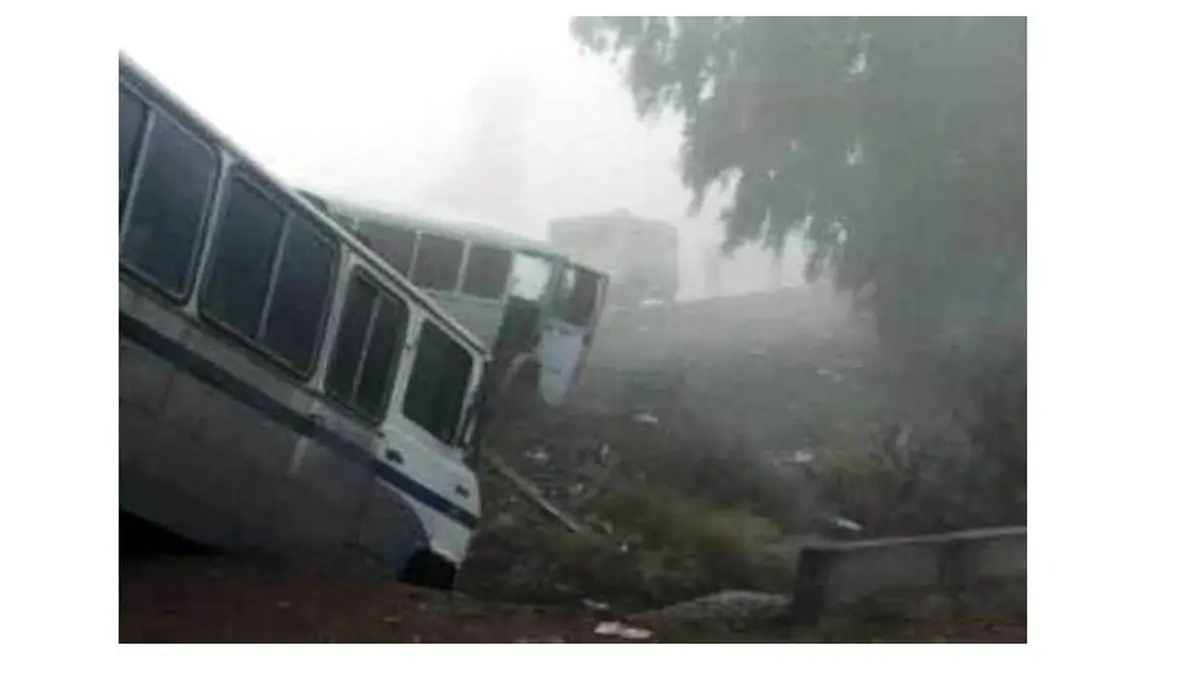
x: 831, y: 575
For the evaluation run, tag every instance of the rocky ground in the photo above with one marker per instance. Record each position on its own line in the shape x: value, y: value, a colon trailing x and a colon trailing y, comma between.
x: 199, y: 599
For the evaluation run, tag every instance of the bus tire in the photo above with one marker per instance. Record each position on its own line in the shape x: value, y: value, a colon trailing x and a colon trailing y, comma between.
x: 427, y: 569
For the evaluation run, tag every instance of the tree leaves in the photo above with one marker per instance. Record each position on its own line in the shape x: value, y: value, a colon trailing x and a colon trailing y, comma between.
x: 894, y: 147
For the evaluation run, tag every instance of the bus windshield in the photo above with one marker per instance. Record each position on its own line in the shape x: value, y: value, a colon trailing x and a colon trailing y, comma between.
x: 579, y: 295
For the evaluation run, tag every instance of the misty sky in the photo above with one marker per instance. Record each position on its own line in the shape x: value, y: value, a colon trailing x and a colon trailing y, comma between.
x: 500, y: 118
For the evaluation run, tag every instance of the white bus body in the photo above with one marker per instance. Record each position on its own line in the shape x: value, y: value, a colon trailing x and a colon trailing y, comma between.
x: 479, y: 273
x: 283, y: 389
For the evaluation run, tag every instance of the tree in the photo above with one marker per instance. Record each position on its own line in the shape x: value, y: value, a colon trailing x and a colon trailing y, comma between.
x: 895, y: 147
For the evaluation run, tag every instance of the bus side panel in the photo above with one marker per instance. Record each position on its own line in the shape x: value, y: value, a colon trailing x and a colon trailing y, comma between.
x: 159, y: 478
x: 313, y: 527
x: 173, y: 506
x: 441, y: 470
x: 390, y: 530
x: 240, y: 459
x: 383, y: 528
x: 219, y: 471
x: 207, y: 448
x: 324, y: 498
x: 144, y: 380
x: 227, y: 463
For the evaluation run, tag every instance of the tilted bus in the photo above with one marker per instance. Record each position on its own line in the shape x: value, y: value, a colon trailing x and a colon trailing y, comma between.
x: 282, y: 388
x: 534, y: 307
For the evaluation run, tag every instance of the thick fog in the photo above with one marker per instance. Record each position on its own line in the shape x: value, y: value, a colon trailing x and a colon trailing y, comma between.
x: 501, y: 119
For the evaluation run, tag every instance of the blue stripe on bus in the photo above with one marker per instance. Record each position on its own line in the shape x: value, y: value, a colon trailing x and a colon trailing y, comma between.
x: 214, y: 375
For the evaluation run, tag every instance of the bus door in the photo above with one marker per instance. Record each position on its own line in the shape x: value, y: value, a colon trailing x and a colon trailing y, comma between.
x: 569, y: 330
x: 515, y: 346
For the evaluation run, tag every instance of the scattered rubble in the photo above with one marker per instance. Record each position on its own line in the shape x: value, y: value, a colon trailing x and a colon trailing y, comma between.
x: 621, y: 631
x: 646, y: 419
x: 845, y: 524
x: 802, y: 457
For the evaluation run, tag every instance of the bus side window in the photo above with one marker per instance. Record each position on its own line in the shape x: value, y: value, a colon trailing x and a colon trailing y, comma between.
x: 243, y: 258
x: 168, y: 208
x: 270, y: 276
x: 303, y: 284
x: 395, y: 244
x: 366, y: 353
x: 438, y: 383
x: 487, y: 271
x: 438, y: 260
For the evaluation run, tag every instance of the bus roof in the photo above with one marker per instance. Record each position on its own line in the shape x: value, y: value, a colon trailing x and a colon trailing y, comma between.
x: 451, y: 223
x: 166, y: 97
x: 467, y: 228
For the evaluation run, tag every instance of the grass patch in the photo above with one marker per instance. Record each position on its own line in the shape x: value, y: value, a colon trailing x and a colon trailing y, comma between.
x: 663, y: 547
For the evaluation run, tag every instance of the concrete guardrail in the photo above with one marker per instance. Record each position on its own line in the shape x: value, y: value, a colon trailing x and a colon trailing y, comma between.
x: 833, y: 574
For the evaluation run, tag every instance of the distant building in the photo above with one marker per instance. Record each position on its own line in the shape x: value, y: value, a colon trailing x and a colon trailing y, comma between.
x: 640, y: 255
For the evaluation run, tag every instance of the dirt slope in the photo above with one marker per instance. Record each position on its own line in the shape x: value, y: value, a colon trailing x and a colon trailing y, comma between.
x: 223, y: 600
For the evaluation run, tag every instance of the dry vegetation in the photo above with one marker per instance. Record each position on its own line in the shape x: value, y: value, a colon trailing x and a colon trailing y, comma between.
x: 678, y: 510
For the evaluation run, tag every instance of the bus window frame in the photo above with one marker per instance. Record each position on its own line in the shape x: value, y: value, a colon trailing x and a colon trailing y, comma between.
x: 139, y: 157
x: 502, y: 297
x: 212, y: 191
x: 399, y: 367
x: 467, y: 398
x: 561, y: 301
x: 458, y: 273
x: 356, y: 226
x: 278, y: 198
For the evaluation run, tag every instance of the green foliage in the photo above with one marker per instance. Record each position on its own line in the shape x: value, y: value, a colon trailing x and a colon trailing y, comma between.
x: 679, y: 548
x: 894, y: 147
x: 728, y: 547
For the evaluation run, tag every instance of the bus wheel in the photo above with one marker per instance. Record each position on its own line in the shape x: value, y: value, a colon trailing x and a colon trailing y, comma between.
x: 427, y: 569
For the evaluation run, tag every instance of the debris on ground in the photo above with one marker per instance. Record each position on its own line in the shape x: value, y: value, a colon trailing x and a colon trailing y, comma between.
x: 800, y: 457
x: 845, y: 524
x: 646, y: 419
x: 621, y: 631
x: 596, y: 606
x: 725, y: 610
